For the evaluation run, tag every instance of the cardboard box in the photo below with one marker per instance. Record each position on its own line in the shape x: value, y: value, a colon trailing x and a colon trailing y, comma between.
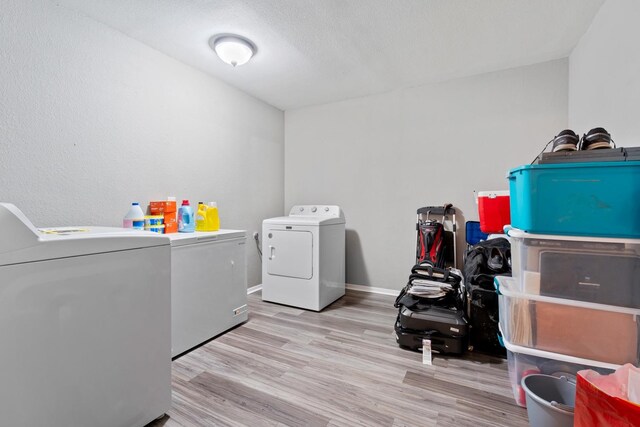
x: 170, y: 222
x: 162, y: 206
x: 606, y: 336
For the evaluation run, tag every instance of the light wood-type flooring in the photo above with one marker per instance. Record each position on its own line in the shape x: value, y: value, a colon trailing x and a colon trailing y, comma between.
x: 339, y: 367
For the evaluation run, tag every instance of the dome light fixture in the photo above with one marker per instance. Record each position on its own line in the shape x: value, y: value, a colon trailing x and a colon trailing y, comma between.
x: 233, y: 49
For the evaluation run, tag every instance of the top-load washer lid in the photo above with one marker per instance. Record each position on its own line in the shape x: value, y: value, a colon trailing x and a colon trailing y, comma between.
x: 310, y: 215
x: 22, y: 242
x: 181, y: 239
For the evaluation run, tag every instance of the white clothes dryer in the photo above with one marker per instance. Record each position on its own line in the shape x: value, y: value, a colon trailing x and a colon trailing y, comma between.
x: 303, y: 257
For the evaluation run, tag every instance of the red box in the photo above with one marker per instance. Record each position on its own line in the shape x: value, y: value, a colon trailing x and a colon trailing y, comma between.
x: 493, y: 208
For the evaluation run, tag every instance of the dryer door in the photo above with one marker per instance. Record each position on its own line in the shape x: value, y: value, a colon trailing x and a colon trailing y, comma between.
x: 289, y: 253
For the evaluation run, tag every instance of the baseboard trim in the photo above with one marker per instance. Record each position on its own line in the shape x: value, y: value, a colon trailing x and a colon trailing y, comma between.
x: 373, y: 290
x: 253, y: 289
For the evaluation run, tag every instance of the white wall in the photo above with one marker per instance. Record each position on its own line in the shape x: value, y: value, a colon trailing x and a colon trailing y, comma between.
x: 91, y: 120
x: 604, y: 74
x: 381, y: 157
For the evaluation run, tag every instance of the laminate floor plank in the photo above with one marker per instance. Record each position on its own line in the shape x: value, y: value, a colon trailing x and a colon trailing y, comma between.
x: 489, y: 403
x: 275, y: 321
x: 336, y: 399
x: 384, y: 349
x: 386, y: 387
x: 264, y: 337
x: 340, y: 367
x: 261, y: 404
x: 193, y: 408
x: 270, y: 309
x: 368, y: 398
x: 277, y: 355
x: 184, y: 370
x: 336, y: 323
x: 243, y: 361
x: 372, y: 317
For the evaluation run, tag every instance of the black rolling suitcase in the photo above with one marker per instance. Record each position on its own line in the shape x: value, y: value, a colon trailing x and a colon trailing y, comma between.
x: 430, y: 307
x: 441, y: 343
x: 445, y: 321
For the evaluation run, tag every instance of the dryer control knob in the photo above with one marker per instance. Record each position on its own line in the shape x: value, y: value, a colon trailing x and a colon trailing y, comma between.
x: 301, y: 209
x: 313, y: 209
x: 326, y: 209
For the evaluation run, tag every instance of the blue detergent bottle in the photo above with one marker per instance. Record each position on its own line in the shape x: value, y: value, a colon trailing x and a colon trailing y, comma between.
x: 186, y: 221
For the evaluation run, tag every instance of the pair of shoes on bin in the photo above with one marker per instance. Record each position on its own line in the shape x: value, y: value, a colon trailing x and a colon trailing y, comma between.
x: 595, y: 139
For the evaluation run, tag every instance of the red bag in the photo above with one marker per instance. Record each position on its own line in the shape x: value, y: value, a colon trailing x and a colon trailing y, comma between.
x: 605, y: 400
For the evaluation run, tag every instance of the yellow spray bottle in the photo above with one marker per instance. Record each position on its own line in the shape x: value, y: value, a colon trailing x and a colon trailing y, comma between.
x: 201, y: 217
x: 212, y: 220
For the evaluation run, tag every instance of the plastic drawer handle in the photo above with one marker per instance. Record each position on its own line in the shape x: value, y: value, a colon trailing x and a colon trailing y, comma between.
x: 496, y: 285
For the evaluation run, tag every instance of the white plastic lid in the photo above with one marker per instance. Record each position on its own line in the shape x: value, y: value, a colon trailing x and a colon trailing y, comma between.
x: 520, y: 234
x: 212, y: 204
x: 556, y: 356
x: 171, y: 199
x: 507, y: 286
x: 493, y: 194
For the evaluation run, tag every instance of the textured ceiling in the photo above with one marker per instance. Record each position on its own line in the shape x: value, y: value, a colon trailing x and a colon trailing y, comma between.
x: 317, y: 51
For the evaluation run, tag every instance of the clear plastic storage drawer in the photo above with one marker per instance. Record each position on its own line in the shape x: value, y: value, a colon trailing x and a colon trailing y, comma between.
x: 523, y: 361
x: 598, y: 270
x: 580, y: 329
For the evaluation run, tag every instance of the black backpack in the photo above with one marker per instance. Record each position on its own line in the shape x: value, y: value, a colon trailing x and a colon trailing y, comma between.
x: 491, y: 257
x: 484, y: 261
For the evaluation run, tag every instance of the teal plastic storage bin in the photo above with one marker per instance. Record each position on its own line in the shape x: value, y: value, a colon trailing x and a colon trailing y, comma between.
x: 582, y: 199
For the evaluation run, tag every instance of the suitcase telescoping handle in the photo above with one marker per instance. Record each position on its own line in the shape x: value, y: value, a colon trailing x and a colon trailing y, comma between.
x: 443, y: 211
x: 446, y: 209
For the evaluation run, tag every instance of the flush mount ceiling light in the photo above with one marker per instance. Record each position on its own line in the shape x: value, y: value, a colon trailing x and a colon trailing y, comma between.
x: 232, y: 49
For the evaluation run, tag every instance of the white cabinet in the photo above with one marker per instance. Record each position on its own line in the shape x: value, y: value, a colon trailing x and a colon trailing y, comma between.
x: 208, y: 286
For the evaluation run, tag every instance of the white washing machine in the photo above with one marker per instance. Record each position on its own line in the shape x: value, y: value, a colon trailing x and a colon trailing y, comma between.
x: 85, y: 325
x: 303, y: 257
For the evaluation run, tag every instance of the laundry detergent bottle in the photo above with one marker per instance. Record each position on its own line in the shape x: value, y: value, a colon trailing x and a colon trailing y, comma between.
x: 201, y: 217
x: 186, y: 223
x: 134, y: 218
x: 212, y: 222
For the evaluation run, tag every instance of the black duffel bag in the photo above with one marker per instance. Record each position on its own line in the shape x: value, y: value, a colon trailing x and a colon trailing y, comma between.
x: 483, y: 262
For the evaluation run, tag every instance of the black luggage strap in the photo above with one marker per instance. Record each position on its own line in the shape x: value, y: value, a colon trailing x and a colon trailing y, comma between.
x: 403, y: 292
x: 427, y: 271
